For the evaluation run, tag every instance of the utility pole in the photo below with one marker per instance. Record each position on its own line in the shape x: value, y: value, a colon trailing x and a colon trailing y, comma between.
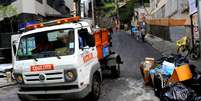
x: 199, y: 15
x: 117, y: 7
x: 198, y: 4
x: 142, y: 3
x: 93, y: 13
x: 74, y: 8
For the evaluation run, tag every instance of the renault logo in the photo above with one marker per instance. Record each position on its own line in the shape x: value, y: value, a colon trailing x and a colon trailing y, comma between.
x: 42, y: 77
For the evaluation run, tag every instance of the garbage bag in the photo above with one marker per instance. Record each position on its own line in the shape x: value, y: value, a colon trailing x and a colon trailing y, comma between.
x: 196, y: 98
x: 195, y: 82
x: 176, y: 92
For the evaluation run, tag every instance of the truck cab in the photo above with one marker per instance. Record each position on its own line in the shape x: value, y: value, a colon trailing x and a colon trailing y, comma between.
x: 57, y: 60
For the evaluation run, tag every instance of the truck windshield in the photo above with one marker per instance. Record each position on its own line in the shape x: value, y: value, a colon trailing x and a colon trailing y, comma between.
x: 46, y: 44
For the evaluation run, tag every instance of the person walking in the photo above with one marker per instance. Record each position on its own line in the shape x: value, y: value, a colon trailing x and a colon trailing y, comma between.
x: 138, y: 34
x: 143, y: 31
x: 116, y: 23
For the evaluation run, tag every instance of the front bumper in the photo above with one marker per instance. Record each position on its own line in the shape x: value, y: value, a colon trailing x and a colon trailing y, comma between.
x: 50, y: 92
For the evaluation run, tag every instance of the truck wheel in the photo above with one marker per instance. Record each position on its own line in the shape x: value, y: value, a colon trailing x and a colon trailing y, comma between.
x: 115, y: 71
x: 22, y: 98
x: 12, y: 75
x: 96, y: 88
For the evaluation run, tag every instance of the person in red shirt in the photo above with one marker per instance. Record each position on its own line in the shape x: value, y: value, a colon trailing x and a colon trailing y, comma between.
x: 42, y: 46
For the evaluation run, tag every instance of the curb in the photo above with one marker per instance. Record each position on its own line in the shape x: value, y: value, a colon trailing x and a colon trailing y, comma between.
x: 155, y: 43
x: 7, y: 85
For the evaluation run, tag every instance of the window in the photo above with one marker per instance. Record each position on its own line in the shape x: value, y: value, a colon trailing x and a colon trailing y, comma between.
x: 46, y: 44
x: 85, y: 38
x: 6, y: 2
x: 41, y: 1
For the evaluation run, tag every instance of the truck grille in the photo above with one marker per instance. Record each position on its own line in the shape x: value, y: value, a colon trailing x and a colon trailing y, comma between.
x: 49, y: 77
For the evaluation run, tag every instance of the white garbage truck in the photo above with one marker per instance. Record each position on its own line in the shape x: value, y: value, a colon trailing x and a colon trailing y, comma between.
x: 62, y: 59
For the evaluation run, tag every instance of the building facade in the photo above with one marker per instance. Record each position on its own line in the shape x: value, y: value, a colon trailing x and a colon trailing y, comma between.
x: 31, y: 11
x: 27, y: 10
x: 169, y: 19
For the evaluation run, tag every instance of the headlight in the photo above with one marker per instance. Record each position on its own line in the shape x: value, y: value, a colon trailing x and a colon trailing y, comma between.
x: 18, y: 78
x: 70, y: 75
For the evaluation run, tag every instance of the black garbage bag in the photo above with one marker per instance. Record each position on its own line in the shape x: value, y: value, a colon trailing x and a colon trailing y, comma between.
x: 176, y: 92
x: 195, y: 82
x: 196, y: 98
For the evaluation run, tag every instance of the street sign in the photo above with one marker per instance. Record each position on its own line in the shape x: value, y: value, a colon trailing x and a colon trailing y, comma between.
x: 196, y: 32
x: 192, y: 7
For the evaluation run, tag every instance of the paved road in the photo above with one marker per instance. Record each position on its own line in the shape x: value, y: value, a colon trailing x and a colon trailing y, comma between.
x: 129, y: 87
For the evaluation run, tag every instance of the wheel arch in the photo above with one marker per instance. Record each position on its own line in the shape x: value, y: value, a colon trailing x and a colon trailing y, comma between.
x: 96, y: 70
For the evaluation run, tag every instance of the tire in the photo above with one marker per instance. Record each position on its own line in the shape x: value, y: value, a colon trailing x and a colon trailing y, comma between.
x: 96, y: 88
x: 115, y: 71
x: 22, y: 98
x: 195, y: 54
x: 12, y: 75
x: 165, y: 99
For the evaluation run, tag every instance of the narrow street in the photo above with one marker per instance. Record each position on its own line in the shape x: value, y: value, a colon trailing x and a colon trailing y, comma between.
x: 129, y: 87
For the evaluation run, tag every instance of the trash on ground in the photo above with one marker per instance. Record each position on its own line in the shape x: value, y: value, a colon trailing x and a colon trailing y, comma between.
x: 173, y: 78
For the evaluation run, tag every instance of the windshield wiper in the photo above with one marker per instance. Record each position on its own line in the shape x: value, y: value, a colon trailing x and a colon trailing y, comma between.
x: 58, y: 56
x: 35, y: 59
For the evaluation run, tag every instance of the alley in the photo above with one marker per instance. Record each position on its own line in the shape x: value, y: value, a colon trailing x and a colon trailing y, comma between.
x: 129, y: 87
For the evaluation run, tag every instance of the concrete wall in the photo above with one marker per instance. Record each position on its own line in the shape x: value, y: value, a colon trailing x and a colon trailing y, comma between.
x: 69, y: 4
x: 172, y: 9
x: 49, y: 10
x: 40, y: 8
x: 160, y: 31
x: 28, y: 6
x: 178, y: 32
x: 169, y: 33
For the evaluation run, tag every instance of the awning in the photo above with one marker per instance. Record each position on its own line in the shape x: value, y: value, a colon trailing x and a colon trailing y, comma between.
x: 167, y: 22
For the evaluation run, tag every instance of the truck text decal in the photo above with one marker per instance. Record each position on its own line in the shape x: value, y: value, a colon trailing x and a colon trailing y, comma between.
x: 42, y: 67
x: 88, y: 57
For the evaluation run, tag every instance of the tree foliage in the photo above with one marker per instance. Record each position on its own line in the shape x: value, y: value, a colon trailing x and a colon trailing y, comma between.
x: 7, y: 12
x: 126, y: 12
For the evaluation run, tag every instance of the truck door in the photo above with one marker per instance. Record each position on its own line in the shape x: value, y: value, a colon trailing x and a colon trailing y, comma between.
x: 86, y: 45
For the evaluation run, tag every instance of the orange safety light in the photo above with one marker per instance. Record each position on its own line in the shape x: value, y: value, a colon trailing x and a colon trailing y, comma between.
x: 66, y: 20
x: 54, y: 22
x: 58, y: 21
x: 34, y: 26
